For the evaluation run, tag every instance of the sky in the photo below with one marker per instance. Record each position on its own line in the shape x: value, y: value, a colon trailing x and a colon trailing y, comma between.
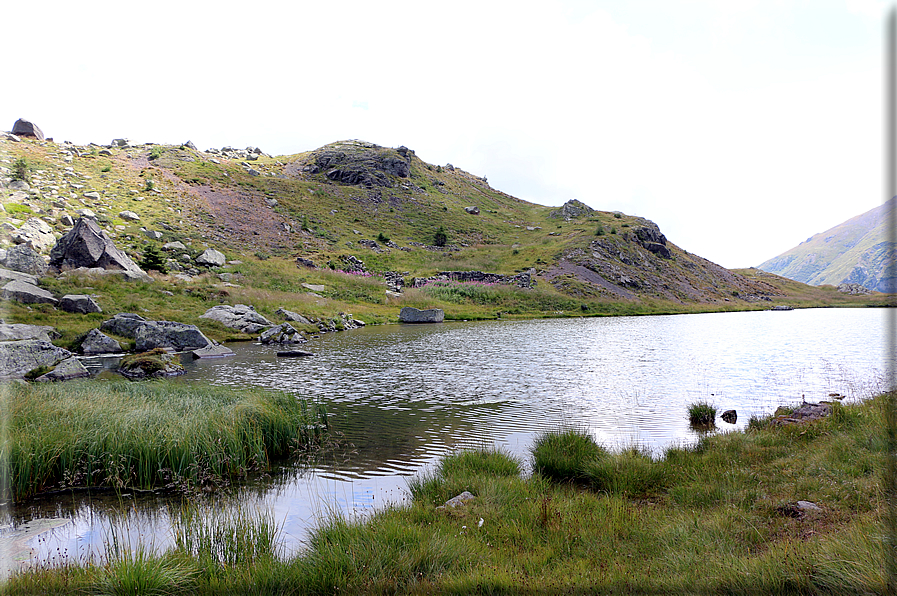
x: 740, y: 128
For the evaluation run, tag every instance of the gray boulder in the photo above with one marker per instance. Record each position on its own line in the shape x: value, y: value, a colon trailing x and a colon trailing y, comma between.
x: 27, y: 293
x: 68, y: 369
x: 240, y: 317
x: 282, y: 334
x: 129, y: 215
x: 413, y: 315
x: 9, y: 275
x: 212, y: 351
x: 124, y: 324
x: 35, y: 232
x: 79, y: 303
x: 571, y: 210
x: 473, y: 210
x: 174, y: 246
x: 26, y: 128
x: 25, y: 259
x: 86, y: 245
x: 19, y: 331
x: 292, y: 316
x: 211, y: 258
x: 97, y: 342
x: 169, y: 334
x: 19, y: 357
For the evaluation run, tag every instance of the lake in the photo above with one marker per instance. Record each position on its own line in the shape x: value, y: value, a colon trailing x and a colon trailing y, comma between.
x: 403, y: 395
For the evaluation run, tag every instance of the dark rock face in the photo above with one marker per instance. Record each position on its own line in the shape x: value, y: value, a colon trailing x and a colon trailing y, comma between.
x: 26, y: 128
x: 97, y: 342
x: 169, y: 334
x: 79, y: 303
x: 649, y: 237
x: 86, y: 245
x: 730, y: 416
x: 413, y: 315
x: 362, y: 164
x: 25, y: 259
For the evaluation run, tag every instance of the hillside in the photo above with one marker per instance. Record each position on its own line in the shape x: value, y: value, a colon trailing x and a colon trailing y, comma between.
x: 351, y: 226
x: 857, y: 251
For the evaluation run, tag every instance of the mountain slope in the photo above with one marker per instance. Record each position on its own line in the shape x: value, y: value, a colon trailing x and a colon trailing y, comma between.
x: 856, y: 251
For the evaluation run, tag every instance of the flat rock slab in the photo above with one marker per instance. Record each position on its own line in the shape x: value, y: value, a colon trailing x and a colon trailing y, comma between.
x: 212, y: 351
x: 19, y: 357
x: 293, y: 354
x: 413, y: 315
x: 68, y: 369
x: 27, y: 293
x: 19, y: 331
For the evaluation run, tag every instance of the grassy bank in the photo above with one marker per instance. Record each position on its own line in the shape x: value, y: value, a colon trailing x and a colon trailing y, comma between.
x: 718, y: 517
x: 147, y: 435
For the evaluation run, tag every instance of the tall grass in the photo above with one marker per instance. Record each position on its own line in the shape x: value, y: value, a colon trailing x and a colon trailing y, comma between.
x: 148, y: 435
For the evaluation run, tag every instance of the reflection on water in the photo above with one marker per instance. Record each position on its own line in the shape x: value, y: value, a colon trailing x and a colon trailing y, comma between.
x: 403, y: 395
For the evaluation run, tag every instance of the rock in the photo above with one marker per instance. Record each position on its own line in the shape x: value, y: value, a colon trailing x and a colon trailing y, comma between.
x: 123, y: 324
x: 97, y: 342
x: 27, y: 293
x: 174, y: 246
x: 190, y: 145
x: 25, y: 259
x: 20, y: 331
x: 293, y: 354
x: 151, y: 234
x: 79, y: 303
x: 282, y: 334
x: 19, y: 185
x: 129, y: 215
x: 169, y: 334
x: 314, y: 287
x: 730, y: 416
x: 473, y: 210
x: 26, y: 128
x: 413, y: 315
x: 92, y: 195
x: 150, y: 364
x: 212, y: 351
x: 292, y: 316
x: 19, y: 357
x: 459, y: 500
x: 86, y: 245
x: 8, y: 275
x: 571, y: 210
x: 211, y: 258
x: 88, y: 213
x: 35, y: 232
x: 240, y: 317
x: 808, y: 412
x: 68, y: 369
x: 300, y: 262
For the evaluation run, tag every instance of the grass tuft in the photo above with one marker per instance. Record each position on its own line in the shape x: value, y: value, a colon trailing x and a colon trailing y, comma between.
x: 701, y: 414
x: 563, y: 455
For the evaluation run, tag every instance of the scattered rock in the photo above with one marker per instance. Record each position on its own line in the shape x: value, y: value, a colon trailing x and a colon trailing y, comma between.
x: 129, y: 215
x: 9, y: 275
x: 473, y: 210
x: 314, y: 287
x: 97, y: 342
x: 292, y: 316
x: 808, y: 412
x: 571, y: 210
x: 150, y: 364
x: 35, y: 232
x: 123, y: 324
x: 19, y: 357
x: 27, y: 293
x: 174, y: 246
x: 79, y: 303
x: 86, y: 245
x: 169, y: 334
x: 410, y: 314
x: 458, y: 500
x: 300, y: 262
x: 282, y: 334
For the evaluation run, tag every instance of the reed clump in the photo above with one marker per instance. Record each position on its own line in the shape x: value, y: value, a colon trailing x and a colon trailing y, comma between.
x: 149, y: 435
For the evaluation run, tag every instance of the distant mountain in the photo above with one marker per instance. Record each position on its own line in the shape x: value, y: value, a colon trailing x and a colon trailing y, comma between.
x: 857, y: 251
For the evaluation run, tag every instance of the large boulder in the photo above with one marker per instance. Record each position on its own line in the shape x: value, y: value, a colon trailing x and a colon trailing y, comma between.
x: 35, y: 232
x: 79, y: 303
x: 19, y: 331
x: 19, y: 357
x: 96, y: 342
x: 292, y: 316
x: 124, y: 324
x: 25, y: 259
x: 240, y: 317
x: 169, y: 334
x: 26, y: 128
x: 68, y: 369
x: 86, y: 245
x: 413, y: 315
x: 27, y: 293
x: 211, y: 258
x: 7, y: 275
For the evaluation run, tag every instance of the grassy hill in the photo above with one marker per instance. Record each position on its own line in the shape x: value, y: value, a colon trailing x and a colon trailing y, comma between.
x: 287, y: 222
x: 857, y: 251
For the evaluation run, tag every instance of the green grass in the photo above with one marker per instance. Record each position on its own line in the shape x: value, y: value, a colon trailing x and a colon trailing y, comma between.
x: 700, y: 519
x: 564, y: 455
x: 148, y: 435
x: 701, y: 414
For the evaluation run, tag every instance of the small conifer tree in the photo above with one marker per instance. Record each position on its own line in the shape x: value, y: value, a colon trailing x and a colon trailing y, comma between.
x: 153, y: 259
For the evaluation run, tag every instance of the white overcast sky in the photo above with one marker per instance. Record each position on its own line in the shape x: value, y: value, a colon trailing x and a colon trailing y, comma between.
x: 740, y: 127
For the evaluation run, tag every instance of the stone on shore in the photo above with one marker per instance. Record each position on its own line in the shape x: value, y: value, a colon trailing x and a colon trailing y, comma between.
x: 241, y: 317
x: 413, y: 315
x: 282, y: 334
x: 212, y: 351
x: 19, y: 357
x: 19, y: 331
x: 68, y: 369
x: 169, y: 334
x: 96, y: 342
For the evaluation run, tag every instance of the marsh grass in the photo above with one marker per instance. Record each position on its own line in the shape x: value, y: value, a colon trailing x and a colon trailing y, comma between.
x: 701, y: 413
x: 710, y: 523
x: 149, y: 435
x: 564, y: 455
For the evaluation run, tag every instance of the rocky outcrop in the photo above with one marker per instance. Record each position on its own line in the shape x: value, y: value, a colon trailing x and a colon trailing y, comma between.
x: 19, y: 357
x: 86, y: 245
x: 571, y: 210
x: 240, y: 317
x: 123, y: 324
x: 521, y: 280
x: 361, y: 164
x: 292, y: 316
x: 413, y: 315
x: 26, y: 128
x: 79, y: 303
x: 650, y: 238
x: 25, y: 259
x: 35, y: 232
x: 169, y: 334
x: 7, y: 275
x: 96, y: 342
x: 27, y: 293
x: 807, y: 412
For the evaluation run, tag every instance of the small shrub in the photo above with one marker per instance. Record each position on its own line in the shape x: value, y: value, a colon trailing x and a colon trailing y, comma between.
x: 106, y: 168
x: 631, y: 473
x: 37, y: 372
x: 618, y: 215
x: 701, y: 414
x: 564, y: 455
x: 153, y: 260
x: 440, y: 237
x: 20, y: 170
x: 382, y: 239
x: 150, y: 185
x: 600, y: 230
x: 155, y: 152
